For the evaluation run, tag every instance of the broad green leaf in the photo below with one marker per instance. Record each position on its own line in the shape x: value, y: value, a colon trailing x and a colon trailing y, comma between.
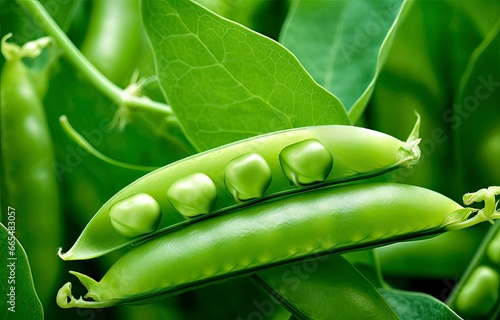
x: 325, y: 287
x: 226, y: 82
x: 367, y: 263
x: 416, y: 306
x: 19, y: 299
x: 343, y: 44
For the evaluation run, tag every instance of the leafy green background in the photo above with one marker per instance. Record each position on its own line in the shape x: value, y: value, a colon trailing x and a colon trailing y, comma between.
x: 226, y: 82
x: 343, y: 44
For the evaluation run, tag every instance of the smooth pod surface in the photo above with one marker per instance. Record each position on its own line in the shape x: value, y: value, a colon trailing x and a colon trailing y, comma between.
x: 320, y: 221
x: 346, y: 144
x: 28, y: 179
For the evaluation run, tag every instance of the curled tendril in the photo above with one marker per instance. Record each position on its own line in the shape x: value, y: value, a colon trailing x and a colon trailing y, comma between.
x: 34, y: 48
x: 65, y: 299
x: 488, y: 196
x: 30, y: 49
x: 409, y: 151
x: 488, y: 213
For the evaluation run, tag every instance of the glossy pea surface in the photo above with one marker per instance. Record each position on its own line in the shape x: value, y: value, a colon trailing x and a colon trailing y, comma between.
x: 306, y: 162
x: 137, y: 215
x: 319, y: 221
x: 247, y: 176
x: 193, y: 195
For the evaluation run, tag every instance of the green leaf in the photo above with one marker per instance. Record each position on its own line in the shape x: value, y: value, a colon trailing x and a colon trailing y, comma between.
x: 226, y: 82
x: 326, y: 287
x: 19, y: 299
x: 343, y: 44
x: 415, y: 78
x: 367, y: 263
x: 415, y: 305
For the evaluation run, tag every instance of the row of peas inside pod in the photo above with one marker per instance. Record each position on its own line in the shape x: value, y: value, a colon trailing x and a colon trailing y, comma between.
x: 215, y: 181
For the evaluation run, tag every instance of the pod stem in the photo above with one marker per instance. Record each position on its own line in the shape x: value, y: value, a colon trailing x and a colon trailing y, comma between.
x: 409, y: 149
x: 72, y: 53
x: 32, y: 49
x: 65, y: 299
x: 488, y: 213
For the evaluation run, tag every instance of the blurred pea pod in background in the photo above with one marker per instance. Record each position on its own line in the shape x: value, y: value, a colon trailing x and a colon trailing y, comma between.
x: 29, y: 184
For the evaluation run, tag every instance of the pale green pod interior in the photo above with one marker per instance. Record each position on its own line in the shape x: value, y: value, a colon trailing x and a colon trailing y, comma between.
x: 480, y: 293
x: 493, y: 249
x: 193, y: 195
x: 306, y: 162
x: 136, y: 215
x: 247, y: 176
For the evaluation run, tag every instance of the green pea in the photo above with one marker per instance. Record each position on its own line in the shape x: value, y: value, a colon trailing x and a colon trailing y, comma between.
x: 306, y: 162
x: 135, y: 216
x: 480, y: 292
x: 320, y: 221
x: 493, y: 249
x: 193, y: 195
x: 356, y: 152
x: 247, y: 176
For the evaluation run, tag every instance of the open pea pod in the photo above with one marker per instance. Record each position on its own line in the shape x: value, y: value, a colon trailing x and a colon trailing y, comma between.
x: 237, y: 175
x: 316, y: 222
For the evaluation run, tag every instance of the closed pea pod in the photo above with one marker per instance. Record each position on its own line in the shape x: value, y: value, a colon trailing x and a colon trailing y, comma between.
x: 270, y: 159
x: 113, y: 38
x: 319, y: 221
x: 28, y: 179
